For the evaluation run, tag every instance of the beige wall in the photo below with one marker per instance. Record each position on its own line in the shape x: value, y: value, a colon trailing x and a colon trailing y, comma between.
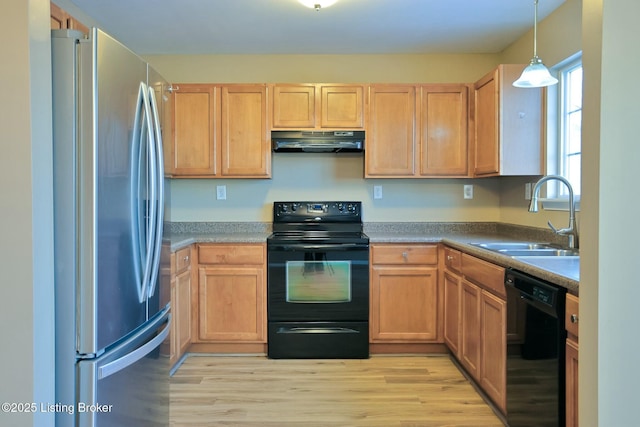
x: 559, y: 37
x: 322, y: 176
x: 26, y: 253
x: 329, y: 176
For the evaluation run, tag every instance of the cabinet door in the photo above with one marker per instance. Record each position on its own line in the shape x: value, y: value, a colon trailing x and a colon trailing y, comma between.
x: 391, y: 138
x: 452, y: 311
x: 182, y: 312
x: 470, y: 317
x: 404, y: 304
x: 342, y: 106
x: 493, y: 369
x: 195, y: 134
x: 294, y: 106
x: 443, y: 130
x: 232, y: 305
x: 245, y: 150
x: 572, y: 383
x: 487, y: 161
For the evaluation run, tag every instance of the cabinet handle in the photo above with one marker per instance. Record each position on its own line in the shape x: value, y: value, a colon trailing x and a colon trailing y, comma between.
x: 449, y: 258
x: 574, y: 318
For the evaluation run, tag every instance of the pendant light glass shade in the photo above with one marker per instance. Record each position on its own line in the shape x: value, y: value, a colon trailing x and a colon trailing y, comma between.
x: 536, y: 74
x: 317, y: 4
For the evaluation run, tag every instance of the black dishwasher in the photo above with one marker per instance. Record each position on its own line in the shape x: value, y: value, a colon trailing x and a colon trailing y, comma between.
x: 535, y: 352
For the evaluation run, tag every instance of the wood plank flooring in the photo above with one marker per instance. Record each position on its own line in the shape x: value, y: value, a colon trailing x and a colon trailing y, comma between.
x: 383, y: 391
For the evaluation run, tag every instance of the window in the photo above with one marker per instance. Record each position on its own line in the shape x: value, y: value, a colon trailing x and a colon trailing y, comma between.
x: 564, y: 118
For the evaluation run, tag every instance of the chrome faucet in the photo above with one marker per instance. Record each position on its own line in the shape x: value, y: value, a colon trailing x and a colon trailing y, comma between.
x: 571, y: 231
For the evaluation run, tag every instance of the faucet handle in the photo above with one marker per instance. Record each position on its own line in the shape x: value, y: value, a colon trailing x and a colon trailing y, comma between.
x: 555, y: 230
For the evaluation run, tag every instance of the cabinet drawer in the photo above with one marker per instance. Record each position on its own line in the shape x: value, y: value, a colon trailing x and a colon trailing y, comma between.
x: 485, y: 274
x: 231, y: 254
x: 404, y: 254
x: 183, y: 259
x: 571, y: 315
x: 453, y: 259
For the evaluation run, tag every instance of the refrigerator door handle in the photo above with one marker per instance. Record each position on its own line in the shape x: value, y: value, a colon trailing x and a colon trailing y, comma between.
x: 131, y: 358
x: 151, y: 161
x: 134, y: 194
x: 159, y: 181
x: 143, y: 220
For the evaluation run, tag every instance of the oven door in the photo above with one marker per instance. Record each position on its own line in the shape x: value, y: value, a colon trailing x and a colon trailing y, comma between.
x: 318, y: 282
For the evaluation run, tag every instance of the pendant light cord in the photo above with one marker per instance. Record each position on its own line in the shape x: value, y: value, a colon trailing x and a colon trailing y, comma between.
x: 535, y: 29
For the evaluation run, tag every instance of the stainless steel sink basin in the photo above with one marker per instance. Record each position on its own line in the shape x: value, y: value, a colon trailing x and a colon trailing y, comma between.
x: 500, y: 246
x: 540, y: 252
x: 520, y: 249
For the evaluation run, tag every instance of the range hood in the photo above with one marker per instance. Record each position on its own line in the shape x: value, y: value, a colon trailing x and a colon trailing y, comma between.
x: 318, y: 141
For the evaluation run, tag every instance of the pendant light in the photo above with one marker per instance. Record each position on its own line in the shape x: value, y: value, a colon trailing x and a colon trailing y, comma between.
x: 317, y: 4
x: 536, y: 74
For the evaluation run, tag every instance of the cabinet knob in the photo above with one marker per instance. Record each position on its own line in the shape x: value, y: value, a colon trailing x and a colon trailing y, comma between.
x: 405, y: 256
x: 574, y: 318
x: 449, y: 258
x: 186, y: 258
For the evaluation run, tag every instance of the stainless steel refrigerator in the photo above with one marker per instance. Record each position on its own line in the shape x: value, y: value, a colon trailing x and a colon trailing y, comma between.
x: 112, y: 305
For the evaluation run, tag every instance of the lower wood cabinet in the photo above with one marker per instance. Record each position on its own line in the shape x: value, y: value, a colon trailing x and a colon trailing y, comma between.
x: 404, y: 294
x: 470, y: 317
x: 231, y: 293
x: 571, y: 360
x: 475, y: 326
x: 182, y: 289
x: 493, y: 361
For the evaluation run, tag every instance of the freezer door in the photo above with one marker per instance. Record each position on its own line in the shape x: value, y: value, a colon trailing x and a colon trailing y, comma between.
x: 111, y: 300
x: 128, y: 385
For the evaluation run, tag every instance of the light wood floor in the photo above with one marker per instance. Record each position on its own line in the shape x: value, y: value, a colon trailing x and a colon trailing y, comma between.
x: 383, y: 391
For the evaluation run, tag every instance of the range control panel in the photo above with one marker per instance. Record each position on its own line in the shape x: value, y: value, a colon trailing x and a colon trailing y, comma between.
x: 317, y: 211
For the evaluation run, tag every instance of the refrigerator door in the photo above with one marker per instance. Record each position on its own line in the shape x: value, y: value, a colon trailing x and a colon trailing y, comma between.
x: 129, y: 384
x: 111, y: 300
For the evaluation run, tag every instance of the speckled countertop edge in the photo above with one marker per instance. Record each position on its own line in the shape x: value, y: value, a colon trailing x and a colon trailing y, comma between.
x: 457, y: 235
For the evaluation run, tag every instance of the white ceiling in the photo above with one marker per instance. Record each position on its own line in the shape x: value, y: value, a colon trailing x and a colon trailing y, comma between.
x: 287, y: 27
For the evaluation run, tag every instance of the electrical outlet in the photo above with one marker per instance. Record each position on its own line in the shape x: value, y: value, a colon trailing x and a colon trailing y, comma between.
x: 468, y: 191
x: 377, y: 191
x: 221, y: 192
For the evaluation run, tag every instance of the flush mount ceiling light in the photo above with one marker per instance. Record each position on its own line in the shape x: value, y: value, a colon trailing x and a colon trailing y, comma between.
x: 536, y: 74
x: 317, y: 4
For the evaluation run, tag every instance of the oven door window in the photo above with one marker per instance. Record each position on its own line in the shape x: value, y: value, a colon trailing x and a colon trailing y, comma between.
x: 318, y: 280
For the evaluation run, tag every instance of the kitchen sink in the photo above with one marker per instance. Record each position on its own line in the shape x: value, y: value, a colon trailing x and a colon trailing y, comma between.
x: 539, y: 252
x: 520, y: 249
x: 500, y: 246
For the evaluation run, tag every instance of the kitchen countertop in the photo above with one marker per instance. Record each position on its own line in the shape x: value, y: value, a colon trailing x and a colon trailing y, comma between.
x: 456, y: 235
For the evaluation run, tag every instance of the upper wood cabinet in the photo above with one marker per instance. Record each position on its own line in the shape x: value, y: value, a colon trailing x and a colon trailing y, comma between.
x: 318, y: 106
x: 192, y: 150
x: 219, y: 131
x: 508, y: 126
x: 245, y: 145
x: 391, y: 132
x: 61, y: 20
x: 417, y: 131
x: 444, y: 130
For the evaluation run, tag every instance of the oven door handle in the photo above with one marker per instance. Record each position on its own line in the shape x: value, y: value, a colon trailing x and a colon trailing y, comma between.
x: 327, y: 247
x: 317, y: 330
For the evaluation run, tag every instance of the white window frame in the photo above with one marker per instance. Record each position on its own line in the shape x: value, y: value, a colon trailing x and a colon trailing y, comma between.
x: 557, y: 197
